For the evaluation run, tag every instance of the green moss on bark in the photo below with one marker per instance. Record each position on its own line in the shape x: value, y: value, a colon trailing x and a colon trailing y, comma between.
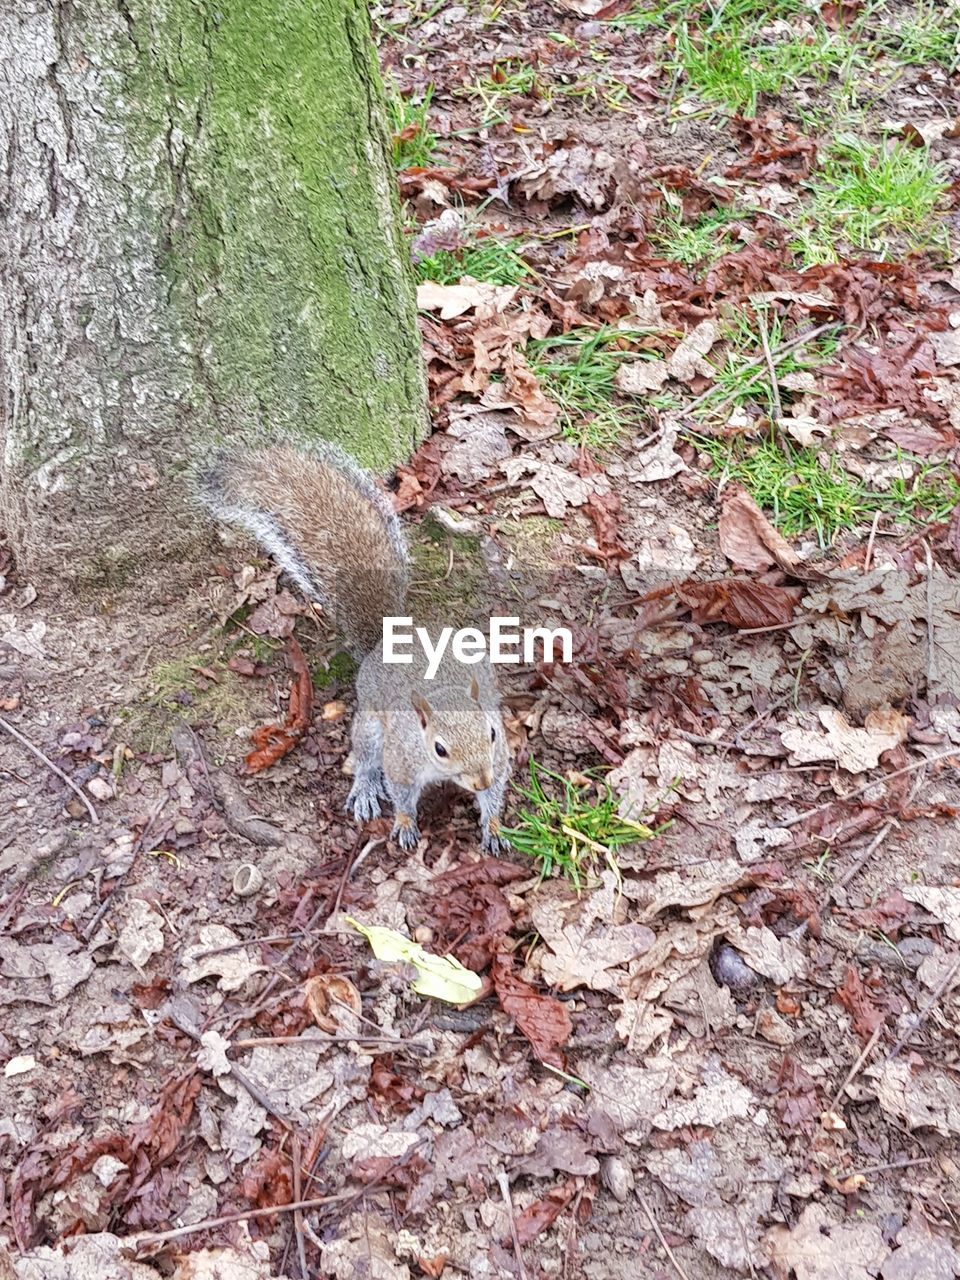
x: 283, y: 249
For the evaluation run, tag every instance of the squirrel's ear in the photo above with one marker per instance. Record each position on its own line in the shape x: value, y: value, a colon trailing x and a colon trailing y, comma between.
x: 475, y: 689
x: 423, y: 709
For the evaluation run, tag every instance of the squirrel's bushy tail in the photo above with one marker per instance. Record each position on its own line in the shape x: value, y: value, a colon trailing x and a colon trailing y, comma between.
x: 324, y: 521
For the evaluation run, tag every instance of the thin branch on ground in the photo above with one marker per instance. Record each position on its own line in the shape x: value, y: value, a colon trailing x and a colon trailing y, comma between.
x: 868, y: 786
x: 504, y: 1183
x: 771, y: 367
x: 661, y: 1237
x: 858, y: 1066
x: 54, y: 769
x: 158, y: 1237
x: 917, y: 1021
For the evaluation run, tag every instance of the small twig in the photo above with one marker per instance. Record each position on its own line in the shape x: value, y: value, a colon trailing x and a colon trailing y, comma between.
x: 882, y: 1168
x: 918, y: 1019
x: 254, y: 1042
x: 865, y: 857
x: 771, y: 367
x: 877, y: 840
x: 701, y: 740
x: 870, y: 541
x: 55, y: 769
x: 298, y: 1213
x: 672, y: 92
x: 504, y: 1182
x: 225, y: 793
x: 784, y: 349
x: 776, y: 626
x: 248, y: 942
x: 661, y: 1237
x: 855, y: 1070
x: 241, y: 1077
x: 741, y: 734
x: 90, y: 929
x: 207, y: 1224
x: 868, y: 786
x: 931, y: 656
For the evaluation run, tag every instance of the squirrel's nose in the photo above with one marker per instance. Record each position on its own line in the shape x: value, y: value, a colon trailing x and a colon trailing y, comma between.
x: 485, y: 780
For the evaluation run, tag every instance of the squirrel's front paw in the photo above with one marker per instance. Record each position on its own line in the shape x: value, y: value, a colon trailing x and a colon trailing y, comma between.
x: 492, y: 839
x: 405, y: 831
x: 364, y: 800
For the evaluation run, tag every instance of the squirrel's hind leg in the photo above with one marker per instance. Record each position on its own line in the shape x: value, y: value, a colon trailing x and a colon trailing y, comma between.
x: 369, y: 785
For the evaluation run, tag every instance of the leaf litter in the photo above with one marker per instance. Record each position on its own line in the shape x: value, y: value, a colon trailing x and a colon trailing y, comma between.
x: 741, y: 1026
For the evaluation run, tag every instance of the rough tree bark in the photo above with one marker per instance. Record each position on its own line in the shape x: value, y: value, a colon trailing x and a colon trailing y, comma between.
x: 200, y: 238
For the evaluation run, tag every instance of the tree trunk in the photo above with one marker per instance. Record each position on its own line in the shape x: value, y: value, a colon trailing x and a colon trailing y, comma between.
x: 201, y: 240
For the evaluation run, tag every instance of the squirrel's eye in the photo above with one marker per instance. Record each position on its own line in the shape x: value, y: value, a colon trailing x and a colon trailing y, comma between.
x: 493, y: 735
x: 440, y: 749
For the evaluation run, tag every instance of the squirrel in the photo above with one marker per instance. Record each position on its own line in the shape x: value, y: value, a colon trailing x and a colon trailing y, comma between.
x: 323, y: 519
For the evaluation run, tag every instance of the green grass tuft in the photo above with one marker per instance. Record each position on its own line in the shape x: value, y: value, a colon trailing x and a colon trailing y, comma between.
x: 741, y: 380
x: 571, y: 829
x: 413, y: 144
x: 489, y: 259
x: 577, y: 370
x: 805, y: 491
x: 695, y: 244
x: 869, y: 194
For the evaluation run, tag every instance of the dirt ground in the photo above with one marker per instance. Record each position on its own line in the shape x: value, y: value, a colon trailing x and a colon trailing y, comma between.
x: 736, y: 1050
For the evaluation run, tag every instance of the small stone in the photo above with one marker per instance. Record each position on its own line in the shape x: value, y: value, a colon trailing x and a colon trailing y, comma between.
x: 617, y: 1177
x: 700, y: 656
x: 100, y: 789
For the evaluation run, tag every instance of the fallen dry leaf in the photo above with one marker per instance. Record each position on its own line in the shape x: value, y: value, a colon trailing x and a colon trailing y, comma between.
x: 555, y: 486
x: 231, y: 968
x: 942, y: 903
x: 687, y: 361
x: 818, y: 1248
x: 640, y: 377
x: 543, y: 1019
x: 741, y: 602
x: 452, y: 300
x: 855, y: 750
x: 921, y: 1097
x: 921, y: 1254
x: 747, y: 538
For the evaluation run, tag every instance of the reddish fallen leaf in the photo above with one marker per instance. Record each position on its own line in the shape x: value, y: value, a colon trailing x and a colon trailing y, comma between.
x: 542, y: 1019
x: 864, y: 1014
x: 433, y: 1267
x: 888, y: 916
x: 476, y: 918
x: 797, y: 1103
x: 604, y: 512
x: 273, y: 741
x: 268, y: 1181
x: 419, y: 477
x: 788, y: 1005
x: 242, y: 666
x: 747, y: 538
x: 740, y: 602
x: 391, y: 1089
x: 921, y: 438
x: 143, y: 1188
x: 411, y: 181
x: 543, y: 1213
x: 779, y: 152
x: 840, y: 14
x: 893, y: 377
